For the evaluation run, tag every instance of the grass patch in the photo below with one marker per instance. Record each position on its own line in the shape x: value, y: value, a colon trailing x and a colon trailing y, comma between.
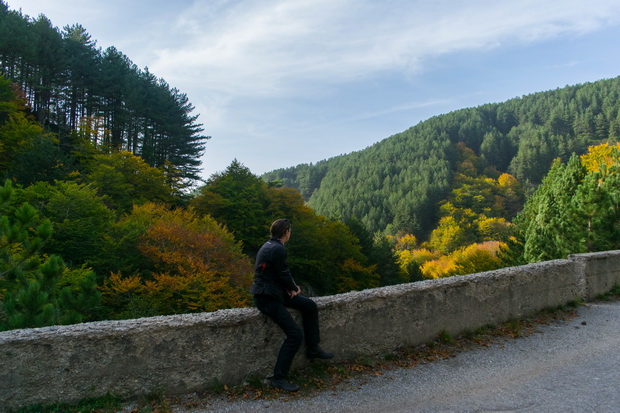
x: 106, y: 404
x: 218, y: 387
x: 255, y: 382
x: 390, y: 356
x: 445, y: 337
x: 613, y: 294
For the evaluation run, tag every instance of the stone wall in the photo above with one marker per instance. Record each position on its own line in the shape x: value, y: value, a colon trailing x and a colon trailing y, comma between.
x: 187, y: 353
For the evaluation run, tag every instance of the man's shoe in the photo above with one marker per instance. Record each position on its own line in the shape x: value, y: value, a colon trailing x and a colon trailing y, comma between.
x: 318, y: 353
x: 283, y: 384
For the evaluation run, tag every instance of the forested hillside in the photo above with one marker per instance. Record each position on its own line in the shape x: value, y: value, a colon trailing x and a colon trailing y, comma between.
x: 396, y: 185
x: 96, y: 221
x: 97, y: 97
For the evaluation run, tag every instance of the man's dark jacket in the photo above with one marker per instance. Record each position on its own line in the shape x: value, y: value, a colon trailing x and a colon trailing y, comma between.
x: 271, y: 273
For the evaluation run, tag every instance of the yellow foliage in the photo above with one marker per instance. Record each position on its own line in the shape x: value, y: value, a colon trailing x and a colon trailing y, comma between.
x: 174, y: 294
x: 472, y: 259
x: 507, y: 180
x: 602, y: 158
x: 119, y: 285
x: 406, y: 242
x: 419, y: 256
x: 193, y: 292
x: 479, y: 257
x: 117, y: 290
x: 442, y: 267
x: 450, y: 234
x: 492, y: 229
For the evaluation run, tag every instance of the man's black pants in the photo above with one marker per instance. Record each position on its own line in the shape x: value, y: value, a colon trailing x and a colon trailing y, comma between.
x: 277, y: 311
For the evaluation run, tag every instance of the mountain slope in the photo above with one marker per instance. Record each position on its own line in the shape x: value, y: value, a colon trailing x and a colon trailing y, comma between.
x: 396, y: 184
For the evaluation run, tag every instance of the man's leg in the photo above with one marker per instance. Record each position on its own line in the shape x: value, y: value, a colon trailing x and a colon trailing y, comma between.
x: 294, y: 336
x: 310, y: 316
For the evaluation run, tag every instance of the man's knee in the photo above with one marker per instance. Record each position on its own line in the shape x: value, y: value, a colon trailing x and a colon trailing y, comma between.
x: 310, y: 310
x: 306, y: 305
x: 312, y: 306
x: 295, y: 336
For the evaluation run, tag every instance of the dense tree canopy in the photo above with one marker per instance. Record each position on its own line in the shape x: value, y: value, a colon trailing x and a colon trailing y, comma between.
x: 324, y: 255
x: 37, y: 290
x: 576, y: 209
x: 239, y: 199
x: 100, y: 96
x: 192, y: 264
x: 395, y: 185
x: 96, y: 221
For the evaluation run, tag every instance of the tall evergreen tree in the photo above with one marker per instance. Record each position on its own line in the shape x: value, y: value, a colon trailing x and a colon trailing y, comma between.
x: 576, y: 209
x: 77, y: 90
x: 239, y: 199
x: 34, y: 294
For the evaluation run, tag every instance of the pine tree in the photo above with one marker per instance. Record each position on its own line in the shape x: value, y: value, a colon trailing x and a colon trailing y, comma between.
x: 576, y: 208
x: 33, y: 293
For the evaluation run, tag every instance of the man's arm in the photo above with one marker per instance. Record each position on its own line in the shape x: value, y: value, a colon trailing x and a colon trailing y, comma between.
x: 283, y: 273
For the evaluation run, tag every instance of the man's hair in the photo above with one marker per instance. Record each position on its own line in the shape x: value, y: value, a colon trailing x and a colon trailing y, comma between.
x: 279, y: 227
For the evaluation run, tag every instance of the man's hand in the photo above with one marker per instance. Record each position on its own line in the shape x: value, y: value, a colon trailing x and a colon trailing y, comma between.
x: 294, y: 293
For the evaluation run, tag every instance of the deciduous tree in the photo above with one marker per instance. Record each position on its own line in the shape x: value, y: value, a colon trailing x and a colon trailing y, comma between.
x: 196, y: 266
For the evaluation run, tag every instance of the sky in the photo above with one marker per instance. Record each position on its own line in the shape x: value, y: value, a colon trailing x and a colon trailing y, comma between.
x: 278, y: 83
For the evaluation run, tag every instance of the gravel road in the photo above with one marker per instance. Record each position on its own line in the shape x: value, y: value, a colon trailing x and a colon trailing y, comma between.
x: 570, y: 366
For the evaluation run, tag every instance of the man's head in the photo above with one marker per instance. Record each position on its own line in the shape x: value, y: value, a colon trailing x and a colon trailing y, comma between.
x: 281, y: 229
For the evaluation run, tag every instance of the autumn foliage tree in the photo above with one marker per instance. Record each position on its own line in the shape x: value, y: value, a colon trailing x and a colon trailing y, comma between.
x: 477, y: 209
x: 325, y: 257
x: 473, y: 227
x: 468, y: 260
x: 196, y: 266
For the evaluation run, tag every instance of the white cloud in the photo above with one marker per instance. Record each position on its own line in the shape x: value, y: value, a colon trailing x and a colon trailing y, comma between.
x: 267, y: 48
x: 296, y: 47
x: 319, y: 72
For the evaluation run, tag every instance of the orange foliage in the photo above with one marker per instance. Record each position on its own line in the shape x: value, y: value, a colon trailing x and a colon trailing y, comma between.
x: 507, y: 180
x: 199, y: 266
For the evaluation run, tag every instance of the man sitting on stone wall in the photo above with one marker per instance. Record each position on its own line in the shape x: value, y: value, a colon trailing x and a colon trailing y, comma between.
x: 274, y: 290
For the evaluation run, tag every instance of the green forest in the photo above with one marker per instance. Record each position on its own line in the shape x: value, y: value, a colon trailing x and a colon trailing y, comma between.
x: 85, y: 94
x: 102, y: 214
x: 395, y: 185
